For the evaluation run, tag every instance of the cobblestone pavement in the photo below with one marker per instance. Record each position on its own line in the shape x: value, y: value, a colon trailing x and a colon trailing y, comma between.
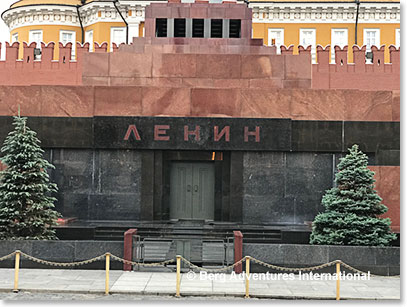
x: 36, y: 296
x: 150, y: 284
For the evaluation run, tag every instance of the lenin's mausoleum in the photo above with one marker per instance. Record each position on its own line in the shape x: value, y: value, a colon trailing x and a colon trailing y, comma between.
x: 197, y: 130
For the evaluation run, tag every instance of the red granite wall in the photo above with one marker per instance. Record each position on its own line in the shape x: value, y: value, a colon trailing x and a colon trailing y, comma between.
x: 197, y: 70
x: 357, y: 75
x: 304, y: 104
x: 388, y: 188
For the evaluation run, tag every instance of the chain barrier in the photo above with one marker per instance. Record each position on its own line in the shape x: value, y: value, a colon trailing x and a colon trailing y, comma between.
x: 63, y: 264
x: 142, y: 264
x: 190, y: 264
x: 312, y: 268
x: 7, y: 256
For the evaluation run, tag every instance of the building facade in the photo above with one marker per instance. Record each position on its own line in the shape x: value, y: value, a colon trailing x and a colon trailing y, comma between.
x: 283, y: 22
x: 199, y: 136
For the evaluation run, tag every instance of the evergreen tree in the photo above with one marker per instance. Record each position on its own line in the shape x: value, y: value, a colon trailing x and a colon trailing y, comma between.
x: 352, y: 207
x: 26, y: 205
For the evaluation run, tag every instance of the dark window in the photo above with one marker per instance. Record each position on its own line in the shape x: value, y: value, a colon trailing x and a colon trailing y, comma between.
x: 197, y: 28
x: 161, y: 27
x: 216, y: 28
x: 179, y: 27
x: 234, y: 28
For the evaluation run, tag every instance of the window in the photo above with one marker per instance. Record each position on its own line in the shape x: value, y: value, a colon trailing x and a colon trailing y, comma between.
x: 276, y: 38
x: 371, y: 37
x: 197, y: 28
x: 14, y: 38
x: 160, y: 27
x: 179, y: 27
x: 35, y: 36
x: 339, y: 37
x: 234, y: 28
x: 118, y: 36
x: 66, y: 37
x: 216, y: 28
x: 397, y: 40
x: 308, y: 38
x: 89, y: 39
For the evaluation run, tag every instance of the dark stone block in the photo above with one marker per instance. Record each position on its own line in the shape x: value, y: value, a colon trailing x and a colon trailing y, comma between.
x: 75, y: 233
x: 5, y: 127
x: 270, y: 253
x: 59, y: 251
x: 317, y: 136
x: 114, y: 206
x: 388, y: 256
x: 110, y: 132
x: 266, y: 209
x: 236, y: 186
x: 353, y: 255
x: 306, y: 255
x: 67, y: 132
x: 264, y: 181
x: 147, y: 185
x: 372, y: 136
x: 120, y: 171
x: 388, y: 157
x: 307, y: 207
x: 295, y: 237
x: 308, y: 174
x: 7, y: 247
x: 74, y: 205
x: 89, y: 249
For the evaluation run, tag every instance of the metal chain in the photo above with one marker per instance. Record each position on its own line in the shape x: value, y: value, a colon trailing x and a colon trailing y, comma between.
x: 63, y: 264
x: 191, y: 265
x: 276, y: 267
x: 142, y: 264
x: 7, y: 256
x: 211, y: 270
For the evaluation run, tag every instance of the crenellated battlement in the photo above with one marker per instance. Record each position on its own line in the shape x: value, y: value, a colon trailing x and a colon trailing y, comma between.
x: 68, y: 67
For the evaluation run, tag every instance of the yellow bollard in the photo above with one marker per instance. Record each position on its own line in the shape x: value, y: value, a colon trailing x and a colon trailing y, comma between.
x: 338, y: 281
x: 247, y: 276
x: 16, y: 270
x: 177, y: 294
x: 107, y: 273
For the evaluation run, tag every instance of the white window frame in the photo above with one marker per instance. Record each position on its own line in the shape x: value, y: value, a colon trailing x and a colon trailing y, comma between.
x: 397, y: 38
x: 281, y: 30
x: 112, y: 29
x: 73, y: 51
x: 333, y: 44
x: 87, y: 40
x: 313, y: 44
x: 38, y: 42
x: 365, y: 38
x: 14, y: 37
x: 31, y: 38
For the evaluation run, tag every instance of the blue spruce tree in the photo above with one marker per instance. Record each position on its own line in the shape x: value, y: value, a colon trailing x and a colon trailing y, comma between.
x: 352, y: 207
x: 26, y: 205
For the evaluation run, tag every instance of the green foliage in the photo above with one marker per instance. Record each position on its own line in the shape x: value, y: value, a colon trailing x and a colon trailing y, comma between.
x: 352, y: 207
x: 26, y: 205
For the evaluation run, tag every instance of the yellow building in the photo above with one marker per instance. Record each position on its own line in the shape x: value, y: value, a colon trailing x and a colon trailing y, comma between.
x: 282, y: 22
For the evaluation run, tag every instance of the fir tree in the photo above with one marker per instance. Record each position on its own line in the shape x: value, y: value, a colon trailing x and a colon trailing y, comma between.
x: 26, y: 205
x: 352, y: 207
